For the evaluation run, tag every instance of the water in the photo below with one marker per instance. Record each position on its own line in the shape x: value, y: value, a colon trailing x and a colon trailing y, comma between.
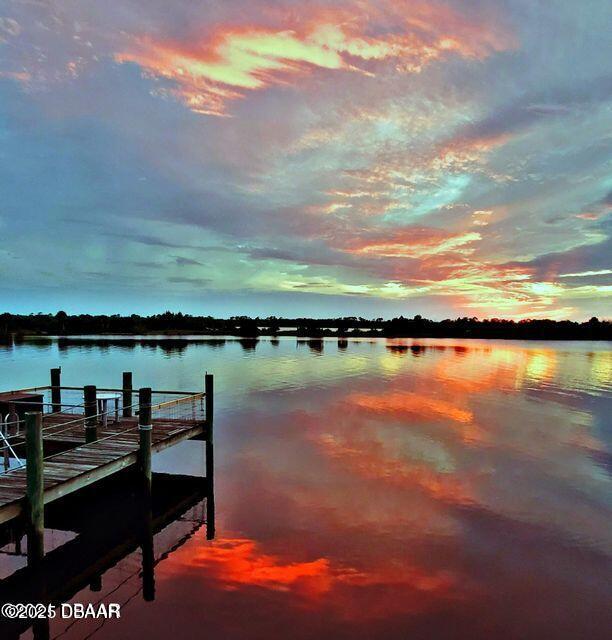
x: 389, y: 489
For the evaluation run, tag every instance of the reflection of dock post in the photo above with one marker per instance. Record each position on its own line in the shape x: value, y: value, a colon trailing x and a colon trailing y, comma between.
x: 40, y: 629
x: 145, y: 431
x: 127, y: 394
x: 35, y: 488
x: 210, y: 460
x: 56, y: 392
x: 210, y: 510
x: 148, y: 553
x: 96, y: 584
x: 91, y: 422
x: 16, y: 535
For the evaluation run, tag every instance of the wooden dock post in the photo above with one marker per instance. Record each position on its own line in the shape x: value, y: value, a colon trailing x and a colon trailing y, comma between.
x: 145, y: 432
x: 210, y: 459
x: 127, y: 394
x: 35, y: 488
x: 56, y: 392
x: 91, y: 422
x: 209, y: 390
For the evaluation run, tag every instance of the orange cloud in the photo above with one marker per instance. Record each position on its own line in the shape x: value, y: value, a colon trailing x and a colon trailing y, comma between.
x: 238, y: 562
x: 369, y: 460
x: 416, y: 242
x: 231, y: 60
x: 463, y: 149
x: 412, y: 403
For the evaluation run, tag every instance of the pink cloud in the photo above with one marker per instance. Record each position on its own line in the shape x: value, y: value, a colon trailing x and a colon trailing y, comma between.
x: 211, y: 68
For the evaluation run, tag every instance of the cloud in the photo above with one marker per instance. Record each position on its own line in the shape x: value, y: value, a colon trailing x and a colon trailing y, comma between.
x: 185, y: 262
x: 591, y: 257
x: 415, y: 242
x: 9, y: 28
x: 185, y: 280
x: 411, y: 154
x: 514, y: 117
x: 224, y: 63
x: 584, y: 274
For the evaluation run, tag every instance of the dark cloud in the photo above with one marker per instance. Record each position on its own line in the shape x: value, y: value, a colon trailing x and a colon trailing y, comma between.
x: 185, y: 280
x: 531, y: 108
x: 149, y: 240
x: 184, y: 262
x: 548, y: 267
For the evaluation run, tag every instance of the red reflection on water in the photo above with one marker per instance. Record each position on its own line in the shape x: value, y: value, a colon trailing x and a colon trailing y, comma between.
x: 369, y: 460
x: 438, y: 499
x: 240, y: 561
x: 240, y: 567
x: 415, y: 404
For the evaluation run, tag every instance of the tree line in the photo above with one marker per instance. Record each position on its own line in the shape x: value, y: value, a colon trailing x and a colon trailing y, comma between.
x: 63, y: 324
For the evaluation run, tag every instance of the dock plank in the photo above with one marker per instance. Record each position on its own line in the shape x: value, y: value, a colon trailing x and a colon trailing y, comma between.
x: 83, y: 463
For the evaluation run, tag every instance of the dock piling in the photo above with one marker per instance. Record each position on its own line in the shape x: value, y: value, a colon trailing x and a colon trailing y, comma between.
x: 145, y: 432
x: 210, y: 460
x: 209, y: 391
x: 91, y: 422
x: 96, y: 584
x: 85, y: 454
x: 56, y: 391
x: 35, y: 487
x: 127, y: 394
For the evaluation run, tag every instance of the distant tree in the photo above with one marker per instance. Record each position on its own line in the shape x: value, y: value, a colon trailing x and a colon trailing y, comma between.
x: 273, y: 326
x: 248, y: 328
x: 244, y: 326
x: 60, y: 319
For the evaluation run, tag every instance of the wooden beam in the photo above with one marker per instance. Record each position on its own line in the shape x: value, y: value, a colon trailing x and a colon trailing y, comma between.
x: 127, y: 394
x: 210, y: 464
x: 91, y: 409
x: 145, y: 433
x: 56, y: 391
x: 35, y: 488
x: 210, y: 399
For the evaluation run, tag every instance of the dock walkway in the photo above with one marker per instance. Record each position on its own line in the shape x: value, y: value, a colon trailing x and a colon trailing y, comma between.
x: 81, y: 449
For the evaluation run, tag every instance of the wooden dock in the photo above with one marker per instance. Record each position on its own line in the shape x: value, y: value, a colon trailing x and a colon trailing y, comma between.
x: 69, y: 447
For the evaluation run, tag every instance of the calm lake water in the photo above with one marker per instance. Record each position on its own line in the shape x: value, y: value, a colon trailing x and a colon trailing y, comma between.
x: 386, y: 489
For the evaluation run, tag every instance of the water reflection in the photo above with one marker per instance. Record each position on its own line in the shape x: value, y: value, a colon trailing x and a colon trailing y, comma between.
x: 400, y: 489
x: 248, y: 344
x: 109, y: 527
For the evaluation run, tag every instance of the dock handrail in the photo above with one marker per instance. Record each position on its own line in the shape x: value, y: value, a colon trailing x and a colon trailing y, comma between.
x: 56, y: 429
x: 169, y: 403
x: 110, y: 389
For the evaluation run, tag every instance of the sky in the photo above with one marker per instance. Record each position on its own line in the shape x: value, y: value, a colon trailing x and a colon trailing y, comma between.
x: 354, y: 157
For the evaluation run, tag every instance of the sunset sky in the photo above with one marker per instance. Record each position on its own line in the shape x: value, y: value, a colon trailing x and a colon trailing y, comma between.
x: 354, y: 157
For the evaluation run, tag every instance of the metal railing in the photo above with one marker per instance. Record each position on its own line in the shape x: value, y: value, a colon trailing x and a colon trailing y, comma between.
x: 188, y: 407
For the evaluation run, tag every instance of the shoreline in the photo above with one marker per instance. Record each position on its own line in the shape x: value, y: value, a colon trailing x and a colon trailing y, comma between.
x: 193, y: 336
